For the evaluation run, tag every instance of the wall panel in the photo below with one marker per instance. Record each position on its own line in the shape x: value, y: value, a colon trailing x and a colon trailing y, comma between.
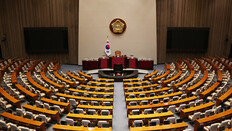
x: 214, y: 14
x: 39, y: 13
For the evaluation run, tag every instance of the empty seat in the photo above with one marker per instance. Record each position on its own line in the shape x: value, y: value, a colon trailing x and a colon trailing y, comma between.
x: 195, y: 116
x: 133, y: 103
x: 172, y: 108
x: 85, y: 123
x: 78, y: 111
x: 142, y: 95
x: 138, y: 123
x: 154, y: 122
x: 83, y: 102
x: 91, y: 112
x: 144, y: 102
x: 213, y: 127
x: 105, y: 112
x: 101, y: 123
x: 135, y: 112
x: 132, y: 96
x: 166, y: 99
x: 94, y: 103
x: 106, y: 103
x: 159, y: 110
x: 70, y: 121
x: 148, y: 111
x: 171, y: 119
x: 155, y: 101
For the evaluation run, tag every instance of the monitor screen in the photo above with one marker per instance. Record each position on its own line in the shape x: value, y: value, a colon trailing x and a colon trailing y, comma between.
x: 46, y: 40
x: 187, y: 39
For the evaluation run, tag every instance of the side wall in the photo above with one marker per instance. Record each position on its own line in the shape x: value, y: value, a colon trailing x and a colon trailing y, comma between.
x: 214, y: 14
x: 17, y: 14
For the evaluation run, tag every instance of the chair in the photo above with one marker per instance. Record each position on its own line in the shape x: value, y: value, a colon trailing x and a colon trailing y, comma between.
x: 172, y: 108
x: 175, y: 98
x: 213, y: 127
x: 132, y: 96
x: 106, y: 103
x: 182, y: 106
x: 142, y: 95
x: 138, y: 123
x: 85, y: 123
x: 29, y: 115
x: 3, y: 125
x: 47, y: 106
x: 166, y: 99
x: 63, y: 122
x: 155, y: 101
x: 105, y: 112
x: 12, y: 127
x: 148, y: 111
x: 154, y: 122
x: 171, y: 119
x: 133, y: 103
x: 135, y: 112
x: 78, y: 111
x: 152, y: 95
x: 22, y: 128
x: 70, y: 121
x: 91, y: 112
x: 19, y: 112
x: 101, y: 123
x: 159, y: 110
x: 192, y: 104
x: 94, y: 103
x: 166, y: 122
x: 83, y: 102
x: 195, y: 116
x: 72, y: 102
x: 144, y: 102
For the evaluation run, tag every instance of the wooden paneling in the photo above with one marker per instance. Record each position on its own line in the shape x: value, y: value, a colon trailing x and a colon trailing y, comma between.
x: 214, y: 14
x: 17, y: 14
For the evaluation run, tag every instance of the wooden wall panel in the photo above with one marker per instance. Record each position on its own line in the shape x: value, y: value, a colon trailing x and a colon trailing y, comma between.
x: 39, y: 13
x: 214, y: 14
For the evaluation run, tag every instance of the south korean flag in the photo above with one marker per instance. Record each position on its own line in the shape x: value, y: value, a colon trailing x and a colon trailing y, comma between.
x: 107, y: 48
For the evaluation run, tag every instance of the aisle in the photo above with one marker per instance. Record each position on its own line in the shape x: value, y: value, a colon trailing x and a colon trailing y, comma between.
x: 120, y: 120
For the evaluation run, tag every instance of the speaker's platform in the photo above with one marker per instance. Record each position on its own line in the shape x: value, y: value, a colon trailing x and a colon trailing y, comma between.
x: 118, y: 77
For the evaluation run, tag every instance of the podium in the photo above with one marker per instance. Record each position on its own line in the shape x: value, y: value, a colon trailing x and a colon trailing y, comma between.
x: 118, y: 60
x: 103, y: 63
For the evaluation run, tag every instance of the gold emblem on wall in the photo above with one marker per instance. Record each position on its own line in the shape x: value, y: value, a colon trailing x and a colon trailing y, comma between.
x: 117, y: 26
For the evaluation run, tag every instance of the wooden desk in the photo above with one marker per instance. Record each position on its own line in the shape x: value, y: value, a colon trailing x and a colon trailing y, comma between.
x: 38, y: 86
x: 90, y: 92
x: 66, y: 106
x: 202, y: 67
x: 81, y: 80
x: 177, y: 126
x: 134, y: 83
x: 224, y: 97
x: 93, y: 118
x: 132, y: 79
x: 72, y: 84
x: 209, y: 90
x: 199, y: 123
x: 95, y: 107
x: 85, y: 75
x: 102, y: 83
x: 26, y: 92
x: 139, y: 87
x: 198, y: 84
x: 219, y: 76
x: 148, y: 92
x: 164, y: 105
x: 185, y: 80
x: 60, y: 87
x: 10, y: 98
x: 97, y: 87
x: 146, y: 117
x: 40, y: 126
x: 146, y: 77
x: 76, y: 128
x: 83, y: 98
x: 164, y: 83
x: 53, y: 114
x: 161, y: 76
x: 155, y: 97
x: 105, y: 79
x: 186, y: 112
